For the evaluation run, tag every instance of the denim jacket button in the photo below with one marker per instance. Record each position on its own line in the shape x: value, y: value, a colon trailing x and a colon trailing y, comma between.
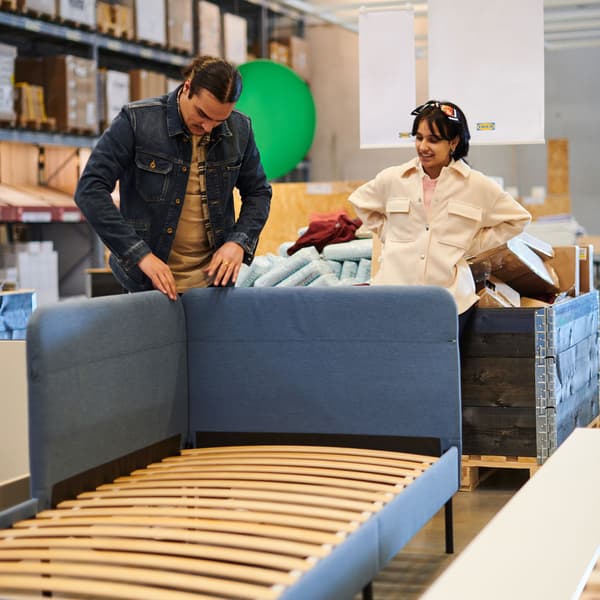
x: 177, y: 200
x: 169, y: 230
x: 184, y: 169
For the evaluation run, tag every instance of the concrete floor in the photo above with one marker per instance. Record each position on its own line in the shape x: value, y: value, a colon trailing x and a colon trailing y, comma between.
x: 423, y: 559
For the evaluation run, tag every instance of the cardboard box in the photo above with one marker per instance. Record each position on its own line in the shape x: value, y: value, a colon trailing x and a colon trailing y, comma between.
x: 7, y: 76
x: 150, y: 21
x: 46, y: 7
x: 518, y: 265
x: 586, y: 269
x: 71, y: 92
x: 566, y: 264
x: 235, y: 38
x: 298, y: 56
x: 179, y: 25
x: 81, y: 12
x: 279, y: 52
x: 209, y: 29
x: 114, y: 93
x: 146, y: 84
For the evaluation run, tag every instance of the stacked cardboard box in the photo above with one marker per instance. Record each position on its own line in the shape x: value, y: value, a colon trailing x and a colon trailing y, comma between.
x: 235, y: 38
x: 114, y: 93
x: 150, y: 20
x: 7, y: 73
x: 209, y: 28
x: 70, y: 86
x: 146, y: 84
x: 81, y: 12
x: 45, y: 7
x: 179, y: 25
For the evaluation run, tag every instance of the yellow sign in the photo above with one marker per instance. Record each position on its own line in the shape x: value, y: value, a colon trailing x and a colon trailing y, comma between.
x: 489, y: 126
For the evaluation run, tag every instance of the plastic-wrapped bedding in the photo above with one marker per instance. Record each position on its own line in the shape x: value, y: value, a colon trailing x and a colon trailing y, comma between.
x: 260, y: 265
x: 349, y: 268
x: 286, y: 267
x: 307, y: 274
x: 363, y: 272
x: 336, y: 267
x: 329, y: 280
x: 353, y: 250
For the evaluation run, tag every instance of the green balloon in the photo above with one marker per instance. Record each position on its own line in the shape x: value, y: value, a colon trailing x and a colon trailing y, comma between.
x: 283, y: 114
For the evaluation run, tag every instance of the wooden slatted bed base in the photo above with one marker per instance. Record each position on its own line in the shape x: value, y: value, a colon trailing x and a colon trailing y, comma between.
x: 224, y: 522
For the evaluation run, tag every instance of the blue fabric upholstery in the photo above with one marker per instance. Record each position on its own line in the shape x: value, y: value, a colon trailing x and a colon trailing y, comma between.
x: 107, y: 376
x: 354, y: 360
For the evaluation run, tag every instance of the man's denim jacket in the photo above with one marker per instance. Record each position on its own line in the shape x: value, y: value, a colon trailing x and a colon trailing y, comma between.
x: 148, y: 150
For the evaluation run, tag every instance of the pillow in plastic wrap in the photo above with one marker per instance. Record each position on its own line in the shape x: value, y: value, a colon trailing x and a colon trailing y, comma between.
x: 307, y: 274
x: 363, y: 273
x: 286, y: 266
x: 349, y: 268
x: 329, y: 280
x: 353, y: 250
x: 260, y: 265
x: 336, y: 267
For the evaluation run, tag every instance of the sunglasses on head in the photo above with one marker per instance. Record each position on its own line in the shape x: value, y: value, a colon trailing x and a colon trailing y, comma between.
x: 448, y: 110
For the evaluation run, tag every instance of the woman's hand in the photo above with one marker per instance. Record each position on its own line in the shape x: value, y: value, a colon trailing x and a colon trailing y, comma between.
x: 160, y: 275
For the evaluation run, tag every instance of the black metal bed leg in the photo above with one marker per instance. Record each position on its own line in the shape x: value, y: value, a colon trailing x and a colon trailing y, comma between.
x: 449, y: 526
x: 367, y: 592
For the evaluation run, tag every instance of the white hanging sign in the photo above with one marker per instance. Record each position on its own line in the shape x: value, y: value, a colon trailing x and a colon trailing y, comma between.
x: 488, y: 57
x: 386, y: 47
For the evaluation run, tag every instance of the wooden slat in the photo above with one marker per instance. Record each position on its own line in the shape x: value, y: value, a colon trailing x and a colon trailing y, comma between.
x: 362, y: 479
x: 276, y: 507
x: 192, y: 476
x: 234, y: 555
x: 248, y: 495
x: 203, y: 525
x: 184, y: 486
x: 316, y: 523
x: 161, y: 579
x: 302, y: 462
x: 155, y: 561
x: 95, y: 589
x: 222, y: 539
x: 336, y: 450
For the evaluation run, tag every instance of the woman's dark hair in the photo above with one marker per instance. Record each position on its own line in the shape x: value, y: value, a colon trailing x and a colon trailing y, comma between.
x: 215, y: 75
x: 449, y: 120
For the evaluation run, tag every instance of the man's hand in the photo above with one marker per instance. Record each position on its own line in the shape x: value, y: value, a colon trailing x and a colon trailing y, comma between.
x: 225, y: 264
x: 160, y: 275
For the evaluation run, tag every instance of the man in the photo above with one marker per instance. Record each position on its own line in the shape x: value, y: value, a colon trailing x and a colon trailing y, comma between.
x: 177, y: 159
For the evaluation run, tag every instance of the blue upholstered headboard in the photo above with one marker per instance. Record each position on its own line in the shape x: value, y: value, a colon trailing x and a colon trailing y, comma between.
x: 107, y: 377
x: 346, y: 360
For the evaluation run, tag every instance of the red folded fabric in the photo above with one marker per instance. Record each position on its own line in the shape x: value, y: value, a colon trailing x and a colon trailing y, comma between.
x: 322, y: 233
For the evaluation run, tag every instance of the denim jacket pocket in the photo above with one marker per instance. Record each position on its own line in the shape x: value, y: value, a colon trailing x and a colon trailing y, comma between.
x: 152, y: 175
x: 462, y: 224
x: 399, y: 226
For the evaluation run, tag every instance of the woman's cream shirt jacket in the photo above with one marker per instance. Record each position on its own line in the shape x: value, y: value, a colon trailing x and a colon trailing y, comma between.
x: 469, y: 213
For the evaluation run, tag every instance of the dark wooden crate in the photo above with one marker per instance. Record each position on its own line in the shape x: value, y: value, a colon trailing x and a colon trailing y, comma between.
x: 529, y: 377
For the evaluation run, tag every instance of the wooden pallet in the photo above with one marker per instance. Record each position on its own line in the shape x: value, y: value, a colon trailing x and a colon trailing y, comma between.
x: 48, y: 124
x: 114, y: 31
x: 472, y: 463
x: 8, y: 5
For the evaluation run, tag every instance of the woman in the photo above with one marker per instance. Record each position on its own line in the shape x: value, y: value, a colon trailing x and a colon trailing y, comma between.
x: 434, y: 211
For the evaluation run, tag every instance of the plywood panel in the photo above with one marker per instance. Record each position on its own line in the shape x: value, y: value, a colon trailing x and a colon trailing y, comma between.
x: 19, y: 163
